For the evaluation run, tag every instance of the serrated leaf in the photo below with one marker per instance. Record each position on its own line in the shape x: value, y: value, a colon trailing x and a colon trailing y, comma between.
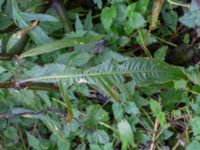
x: 107, y: 16
x: 135, y: 21
x: 194, y: 145
x: 59, y: 44
x: 98, y: 137
x: 95, y: 114
x: 88, y: 25
x: 196, y: 126
x: 78, y: 24
x: 180, y: 84
x: 161, y: 53
x: 143, y: 71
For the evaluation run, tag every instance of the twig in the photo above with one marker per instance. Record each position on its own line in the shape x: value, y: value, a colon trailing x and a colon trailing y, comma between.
x: 156, y: 125
x: 178, y: 4
x: 176, y: 145
x: 144, y: 46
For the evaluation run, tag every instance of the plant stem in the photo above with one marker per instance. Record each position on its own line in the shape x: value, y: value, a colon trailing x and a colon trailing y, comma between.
x: 179, y: 4
x: 156, y: 125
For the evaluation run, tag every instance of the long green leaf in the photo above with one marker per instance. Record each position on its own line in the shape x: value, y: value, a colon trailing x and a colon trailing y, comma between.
x: 143, y: 71
x: 58, y: 44
x: 37, y: 34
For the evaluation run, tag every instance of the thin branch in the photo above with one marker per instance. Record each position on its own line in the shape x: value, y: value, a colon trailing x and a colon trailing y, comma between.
x: 23, y: 114
x: 156, y: 125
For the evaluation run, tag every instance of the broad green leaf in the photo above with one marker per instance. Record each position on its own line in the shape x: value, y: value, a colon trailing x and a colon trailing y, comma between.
x: 193, y: 74
x: 191, y: 17
x: 180, y: 84
x: 33, y: 141
x: 155, y: 107
x: 161, y: 53
x: 135, y: 21
x: 95, y: 147
x: 142, y: 6
x: 59, y: 44
x: 98, y: 137
x: 117, y: 111
x: 38, y: 35
x: 63, y: 144
x: 11, y: 133
x: 121, y: 13
x: 126, y: 134
x: 107, y: 16
x: 161, y: 119
x: 95, y: 114
x: 195, y: 123
x: 131, y: 108
x: 194, y: 145
x: 171, y: 19
x: 143, y: 71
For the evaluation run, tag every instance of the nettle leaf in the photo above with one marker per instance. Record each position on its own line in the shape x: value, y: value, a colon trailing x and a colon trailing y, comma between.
x: 88, y: 25
x: 196, y: 127
x: 95, y: 114
x: 108, y: 14
x: 180, y: 84
x: 155, y: 107
x: 161, y: 53
x: 78, y: 24
x: 59, y: 44
x: 191, y: 18
x: 98, y: 137
x: 194, y: 145
x: 135, y: 21
x: 141, y: 6
x: 161, y: 119
x: 117, y: 111
x: 121, y: 12
x: 126, y: 134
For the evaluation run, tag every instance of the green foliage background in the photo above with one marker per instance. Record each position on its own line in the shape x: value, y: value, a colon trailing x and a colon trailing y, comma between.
x: 93, y: 75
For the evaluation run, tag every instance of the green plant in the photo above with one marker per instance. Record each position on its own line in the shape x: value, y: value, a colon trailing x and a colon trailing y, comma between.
x: 73, y: 78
